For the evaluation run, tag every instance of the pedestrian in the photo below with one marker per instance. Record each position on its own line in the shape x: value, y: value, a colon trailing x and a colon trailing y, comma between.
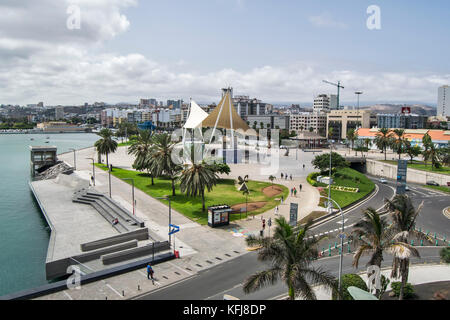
x: 303, y: 166
x: 295, y: 192
x: 290, y: 177
x: 285, y: 176
x: 300, y: 187
x: 150, y: 273
x: 282, y: 175
x: 276, y: 210
x: 282, y: 198
x: 292, y: 191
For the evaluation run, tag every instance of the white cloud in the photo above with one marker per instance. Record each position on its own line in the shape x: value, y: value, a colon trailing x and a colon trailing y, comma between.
x: 41, y: 60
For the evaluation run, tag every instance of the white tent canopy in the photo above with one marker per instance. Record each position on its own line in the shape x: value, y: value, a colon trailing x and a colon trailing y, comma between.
x: 196, y: 116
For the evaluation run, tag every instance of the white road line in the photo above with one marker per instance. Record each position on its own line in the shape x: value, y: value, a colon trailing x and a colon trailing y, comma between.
x: 424, y: 194
x: 117, y: 292
x: 174, y: 265
x: 68, y: 295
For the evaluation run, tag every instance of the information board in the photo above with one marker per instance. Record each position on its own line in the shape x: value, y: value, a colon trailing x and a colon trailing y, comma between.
x: 293, y: 213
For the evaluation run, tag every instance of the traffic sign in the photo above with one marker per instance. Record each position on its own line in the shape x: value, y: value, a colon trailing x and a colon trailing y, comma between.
x: 174, y: 229
x: 342, y: 235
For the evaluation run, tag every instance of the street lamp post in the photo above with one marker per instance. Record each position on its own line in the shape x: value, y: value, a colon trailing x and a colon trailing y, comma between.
x: 74, y: 159
x: 358, y: 93
x: 342, y: 241
x: 132, y: 192
x: 170, y: 214
x: 93, y: 169
x: 109, y: 179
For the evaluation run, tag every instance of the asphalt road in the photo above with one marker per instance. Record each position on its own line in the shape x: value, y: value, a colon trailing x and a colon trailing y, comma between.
x: 227, y: 278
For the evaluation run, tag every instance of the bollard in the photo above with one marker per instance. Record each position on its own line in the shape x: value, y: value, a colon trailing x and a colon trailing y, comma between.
x: 123, y: 293
x: 421, y: 243
x: 340, y: 250
x: 437, y: 243
x: 335, y: 245
x: 329, y: 251
x: 435, y: 235
x: 412, y: 242
x: 139, y: 288
x: 420, y: 229
x: 348, y: 247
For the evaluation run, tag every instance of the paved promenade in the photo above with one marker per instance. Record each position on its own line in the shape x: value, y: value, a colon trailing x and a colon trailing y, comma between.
x: 200, y: 246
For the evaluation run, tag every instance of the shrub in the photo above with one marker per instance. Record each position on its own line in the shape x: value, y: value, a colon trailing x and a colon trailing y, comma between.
x: 351, y: 280
x: 408, y: 290
x: 445, y: 254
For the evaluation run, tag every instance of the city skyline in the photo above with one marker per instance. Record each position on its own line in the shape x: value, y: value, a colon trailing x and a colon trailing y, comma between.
x: 126, y: 50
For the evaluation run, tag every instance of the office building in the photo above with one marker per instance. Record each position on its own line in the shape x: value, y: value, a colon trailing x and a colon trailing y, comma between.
x: 343, y: 120
x: 303, y: 121
x: 401, y: 121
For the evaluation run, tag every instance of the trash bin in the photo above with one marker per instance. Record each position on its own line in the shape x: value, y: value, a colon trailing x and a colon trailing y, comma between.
x: 177, y: 253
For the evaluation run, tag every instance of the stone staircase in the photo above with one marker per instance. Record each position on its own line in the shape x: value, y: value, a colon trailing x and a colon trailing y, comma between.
x: 109, y: 210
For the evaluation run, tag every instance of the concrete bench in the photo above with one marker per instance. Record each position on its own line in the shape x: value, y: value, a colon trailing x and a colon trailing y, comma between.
x: 140, y: 234
x: 134, y: 252
x: 96, y: 254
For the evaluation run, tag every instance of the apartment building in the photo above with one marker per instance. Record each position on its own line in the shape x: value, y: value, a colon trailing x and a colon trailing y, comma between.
x: 303, y: 121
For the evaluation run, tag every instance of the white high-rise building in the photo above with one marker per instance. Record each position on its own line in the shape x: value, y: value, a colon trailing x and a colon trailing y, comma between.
x: 321, y: 103
x: 443, y: 106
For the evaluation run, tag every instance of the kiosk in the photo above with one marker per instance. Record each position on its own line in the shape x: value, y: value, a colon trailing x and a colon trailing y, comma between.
x: 219, y: 216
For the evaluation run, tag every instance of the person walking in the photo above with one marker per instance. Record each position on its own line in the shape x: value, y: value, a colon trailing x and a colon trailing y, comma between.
x: 290, y: 177
x: 282, y: 175
x: 300, y: 187
x: 295, y: 192
x: 150, y: 273
x: 303, y: 166
x: 282, y: 198
x: 285, y: 176
x: 276, y: 210
x: 292, y: 191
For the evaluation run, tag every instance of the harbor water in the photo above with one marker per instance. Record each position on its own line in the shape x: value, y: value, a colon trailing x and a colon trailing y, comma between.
x: 24, y: 233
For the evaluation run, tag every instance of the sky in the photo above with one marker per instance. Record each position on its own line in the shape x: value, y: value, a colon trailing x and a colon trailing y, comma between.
x: 278, y: 51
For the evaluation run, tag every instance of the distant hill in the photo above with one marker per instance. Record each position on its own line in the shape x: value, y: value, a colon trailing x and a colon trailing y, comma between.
x: 397, y: 108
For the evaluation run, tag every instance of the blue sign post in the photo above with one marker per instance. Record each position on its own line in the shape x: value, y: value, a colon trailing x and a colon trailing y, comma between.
x: 174, y: 229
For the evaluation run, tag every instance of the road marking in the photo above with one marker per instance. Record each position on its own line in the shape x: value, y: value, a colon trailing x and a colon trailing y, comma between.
x: 174, y: 265
x: 224, y: 291
x: 117, y: 292
x: 68, y: 295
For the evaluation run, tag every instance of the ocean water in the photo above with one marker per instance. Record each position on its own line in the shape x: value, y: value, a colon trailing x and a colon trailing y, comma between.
x: 24, y: 233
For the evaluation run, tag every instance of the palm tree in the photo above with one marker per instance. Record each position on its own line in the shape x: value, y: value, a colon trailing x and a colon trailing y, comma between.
x: 290, y: 253
x: 161, y: 156
x: 433, y: 154
x: 398, y: 144
x: 106, y: 144
x: 404, y: 216
x: 374, y: 236
x: 426, y: 142
x: 383, y: 140
x: 195, y: 178
x: 141, y: 149
x: 352, y: 136
x: 246, y: 192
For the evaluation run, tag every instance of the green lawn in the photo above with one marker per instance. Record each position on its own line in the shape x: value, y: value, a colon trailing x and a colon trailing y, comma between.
x: 122, y: 144
x: 420, y: 165
x: 344, y: 199
x: 439, y: 188
x: 224, y: 192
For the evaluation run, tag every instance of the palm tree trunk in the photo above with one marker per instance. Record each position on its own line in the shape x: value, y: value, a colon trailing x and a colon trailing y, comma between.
x: 385, y: 155
x: 153, y: 183
x: 107, y: 160
x: 173, y: 187
x: 291, y: 293
x: 203, y: 200
x: 404, y: 272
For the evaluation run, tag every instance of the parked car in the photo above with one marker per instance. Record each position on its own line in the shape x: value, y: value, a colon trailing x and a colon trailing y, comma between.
x: 406, y: 188
x: 382, y: 180
x: 432, y: 183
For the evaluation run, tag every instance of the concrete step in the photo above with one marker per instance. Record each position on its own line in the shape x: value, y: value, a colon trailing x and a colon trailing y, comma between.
x: 105, y: 214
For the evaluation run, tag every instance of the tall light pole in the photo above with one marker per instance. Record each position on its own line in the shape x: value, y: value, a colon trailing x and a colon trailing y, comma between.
x: 132, y: 192
x: 358, y: 93
x: 93, y: 169
x: 170, y: 213
x: 74, y: 159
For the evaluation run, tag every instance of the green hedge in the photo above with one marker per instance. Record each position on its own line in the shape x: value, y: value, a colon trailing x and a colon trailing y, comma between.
x: 445, y: 254
x: 408, y: 290
x: 311, y: 178
x: 351, y: 280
